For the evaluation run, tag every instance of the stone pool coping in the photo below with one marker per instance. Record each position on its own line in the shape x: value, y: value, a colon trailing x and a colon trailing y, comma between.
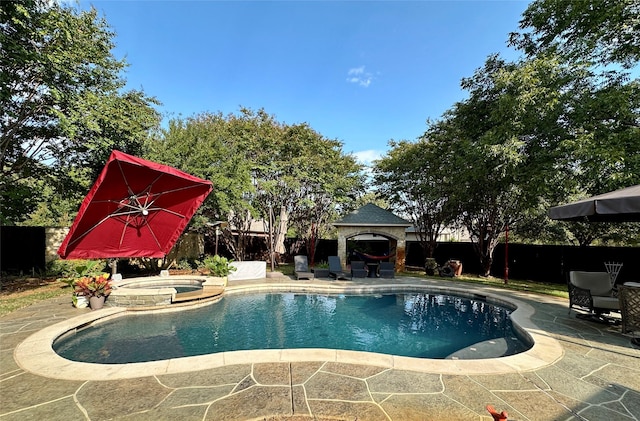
x: 35, y: 354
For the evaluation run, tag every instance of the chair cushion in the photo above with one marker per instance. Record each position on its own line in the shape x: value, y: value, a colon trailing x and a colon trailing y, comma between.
x: 610, y: 303
x: 599, y: 283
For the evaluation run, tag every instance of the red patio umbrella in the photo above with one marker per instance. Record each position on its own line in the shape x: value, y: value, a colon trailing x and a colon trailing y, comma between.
x: 136, y: 208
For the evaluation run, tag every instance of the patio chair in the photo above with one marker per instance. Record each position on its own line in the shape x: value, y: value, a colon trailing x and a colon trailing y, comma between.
x: 335, y: 268
x: 358, y: 269
x: 592, y: 292
x: 301, y: 268
x: 387, y: 270
x: 630, y: 308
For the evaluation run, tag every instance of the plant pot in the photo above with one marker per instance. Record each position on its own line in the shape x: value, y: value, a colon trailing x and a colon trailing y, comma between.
x: 431, y: 266
x: 96, y: 302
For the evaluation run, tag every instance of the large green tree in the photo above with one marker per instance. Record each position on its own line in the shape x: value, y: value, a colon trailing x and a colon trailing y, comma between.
x: 592, y: 39
x: 495, y: 151
x: 63, y: 107
x: 414, y: 178
x: 595, y: 31
x: 262, y: 170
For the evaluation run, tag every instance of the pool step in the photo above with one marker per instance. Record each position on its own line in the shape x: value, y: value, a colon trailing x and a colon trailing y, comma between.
x: 198, y: 295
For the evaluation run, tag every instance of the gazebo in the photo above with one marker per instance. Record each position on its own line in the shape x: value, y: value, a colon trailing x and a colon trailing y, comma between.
x: 372, y: 219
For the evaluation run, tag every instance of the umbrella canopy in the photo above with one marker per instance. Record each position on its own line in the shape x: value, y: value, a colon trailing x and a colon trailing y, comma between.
x: 136, y: 208
x: 617, y: 206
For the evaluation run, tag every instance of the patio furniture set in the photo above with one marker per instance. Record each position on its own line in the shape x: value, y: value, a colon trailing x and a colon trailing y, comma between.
x: 358, y: 269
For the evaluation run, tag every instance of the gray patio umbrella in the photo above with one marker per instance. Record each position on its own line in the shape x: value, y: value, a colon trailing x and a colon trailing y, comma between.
x: 616, y: 206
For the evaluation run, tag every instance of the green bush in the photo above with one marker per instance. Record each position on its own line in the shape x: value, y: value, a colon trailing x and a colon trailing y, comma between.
x: 218, y: 266
x: 68, y: 271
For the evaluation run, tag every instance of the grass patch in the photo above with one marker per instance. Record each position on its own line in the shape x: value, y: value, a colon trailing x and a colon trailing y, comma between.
x: 22, y: 293
x: 546, y: 288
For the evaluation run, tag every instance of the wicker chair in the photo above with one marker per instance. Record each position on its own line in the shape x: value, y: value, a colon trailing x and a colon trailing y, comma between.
x: 592, y: 292
x: 630, y: 308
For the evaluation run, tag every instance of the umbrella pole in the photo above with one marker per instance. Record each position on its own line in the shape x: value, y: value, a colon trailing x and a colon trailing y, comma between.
x: 114, y: 266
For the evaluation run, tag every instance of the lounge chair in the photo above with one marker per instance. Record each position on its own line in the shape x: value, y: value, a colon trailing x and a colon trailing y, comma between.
x: 358, y: 269
x: 592, y: 292
x: 301, y: 268
x: 335, y: 268
x: 387, y: 270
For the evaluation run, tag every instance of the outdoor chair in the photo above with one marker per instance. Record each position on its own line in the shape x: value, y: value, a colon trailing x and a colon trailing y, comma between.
x: 358, y: 269
x: 387, y: 270
x: 630, y: 307
x: 592, y: 292
x: 301, y: 268
x: 335, y: 268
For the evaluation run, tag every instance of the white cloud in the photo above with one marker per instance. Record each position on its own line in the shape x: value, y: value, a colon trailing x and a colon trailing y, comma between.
x: 367, y: 157
x: 359, y: 76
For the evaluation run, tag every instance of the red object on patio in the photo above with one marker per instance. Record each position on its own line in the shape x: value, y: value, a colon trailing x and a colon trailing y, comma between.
x: 136, y: 208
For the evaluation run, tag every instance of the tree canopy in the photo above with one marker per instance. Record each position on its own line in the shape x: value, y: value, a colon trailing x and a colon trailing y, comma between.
x: 598, y: 31
x: 261, y: 169
x: 63, y: 106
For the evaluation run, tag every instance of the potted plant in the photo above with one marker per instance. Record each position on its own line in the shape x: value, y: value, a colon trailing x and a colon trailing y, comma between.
x: 76, y: 270
x: 321, y: 270
x: 431, y: 266
x: 219, y: 267
x: 95, y: 288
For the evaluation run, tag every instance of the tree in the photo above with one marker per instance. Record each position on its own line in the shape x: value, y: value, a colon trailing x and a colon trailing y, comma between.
x: 600, y: 151
x: 212, y: 146
x: 598, y: 31
x: 501, y: 146
x: 303, y: 179
x: 62, y: 104
x: 412, y: 178
x: 261, y: 170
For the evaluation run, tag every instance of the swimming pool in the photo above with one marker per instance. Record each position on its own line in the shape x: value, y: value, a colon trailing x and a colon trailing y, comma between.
x: 416, y: 324
x: 36, y: 355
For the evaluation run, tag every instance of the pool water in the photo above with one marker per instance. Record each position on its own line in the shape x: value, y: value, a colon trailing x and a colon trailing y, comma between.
x: 413, y: 324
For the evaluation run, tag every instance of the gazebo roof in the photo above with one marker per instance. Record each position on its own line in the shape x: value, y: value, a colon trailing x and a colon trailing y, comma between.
x: 372, y: 215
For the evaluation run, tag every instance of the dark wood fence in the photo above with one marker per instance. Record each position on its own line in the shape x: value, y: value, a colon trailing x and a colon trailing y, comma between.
x: 22, y: 250
x: 537, y: 262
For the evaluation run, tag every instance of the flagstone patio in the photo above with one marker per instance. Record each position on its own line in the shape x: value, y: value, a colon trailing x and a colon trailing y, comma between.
x: 595, y: 377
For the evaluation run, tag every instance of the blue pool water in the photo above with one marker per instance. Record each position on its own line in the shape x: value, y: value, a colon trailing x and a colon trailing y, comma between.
x: 413, y: 324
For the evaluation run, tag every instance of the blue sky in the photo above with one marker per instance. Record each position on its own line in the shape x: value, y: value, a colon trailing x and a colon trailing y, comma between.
x: 360, y: 72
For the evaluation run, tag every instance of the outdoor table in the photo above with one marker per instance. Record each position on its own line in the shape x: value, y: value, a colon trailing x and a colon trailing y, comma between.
x: 373, y: 270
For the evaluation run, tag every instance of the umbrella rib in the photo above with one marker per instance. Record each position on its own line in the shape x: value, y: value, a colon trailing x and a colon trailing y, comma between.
x: 124, y: 230
x: 124, y: 178
x: 91, y: 229
x: 153, y: 234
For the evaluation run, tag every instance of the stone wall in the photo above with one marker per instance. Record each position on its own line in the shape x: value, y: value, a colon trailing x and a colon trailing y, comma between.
x: 131, y: 297
x: 53, y: 239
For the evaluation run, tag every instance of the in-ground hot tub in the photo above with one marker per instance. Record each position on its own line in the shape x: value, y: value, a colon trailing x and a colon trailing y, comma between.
x: 154, y: 291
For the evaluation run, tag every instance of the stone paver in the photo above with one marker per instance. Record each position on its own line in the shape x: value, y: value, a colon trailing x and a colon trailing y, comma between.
x: 596, y: 378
